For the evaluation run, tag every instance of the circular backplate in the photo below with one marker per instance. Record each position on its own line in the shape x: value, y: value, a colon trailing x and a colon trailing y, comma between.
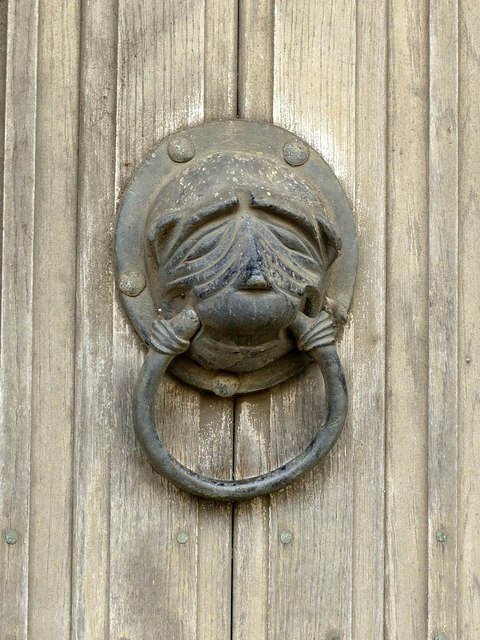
x: 170, y: 158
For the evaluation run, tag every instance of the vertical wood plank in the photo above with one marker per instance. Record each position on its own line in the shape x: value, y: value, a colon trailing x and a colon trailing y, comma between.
x: 3, y: 73
x: 251, y: 521
x: 16, y: 326
x: 314, y: 96
x: 311, y: 577
x: 151, y: 571
x: 54, y: 320
x: 220, y: 100
x: 369, y: 313
x: 255, y: 59
x: 407, y: 322
x: 163, y: 62
x: 443, y: 320
x: 93, y: 367
x: 303, y: 588
x: 250, y: 580
x: 469, y: 324
x: 215, y: 448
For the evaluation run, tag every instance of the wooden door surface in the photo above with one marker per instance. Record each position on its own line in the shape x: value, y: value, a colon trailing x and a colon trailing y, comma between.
x: 380, y: 541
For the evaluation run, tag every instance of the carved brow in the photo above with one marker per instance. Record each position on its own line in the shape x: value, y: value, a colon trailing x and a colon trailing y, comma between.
x: 278, y: 209
x: 300, y: 218
x: 230, y: 200
x: 225, y: 203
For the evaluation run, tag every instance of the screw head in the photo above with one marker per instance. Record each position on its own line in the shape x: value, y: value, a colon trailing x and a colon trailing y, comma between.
x: 225, y: 385
x: 11, y: 537
x: 286, y: 537
x: 441, y: 536
x: 132, y: 283
x: 182, y: 537
x: 181, y: 149
x: 295, y: 153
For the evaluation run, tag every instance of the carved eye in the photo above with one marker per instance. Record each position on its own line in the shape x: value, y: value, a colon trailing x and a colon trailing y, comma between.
x: 200, y: 244
x: 292, y: 241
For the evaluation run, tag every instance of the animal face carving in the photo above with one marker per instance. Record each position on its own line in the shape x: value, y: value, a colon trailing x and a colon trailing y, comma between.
x: 247, y: 266
x: 245, y: 238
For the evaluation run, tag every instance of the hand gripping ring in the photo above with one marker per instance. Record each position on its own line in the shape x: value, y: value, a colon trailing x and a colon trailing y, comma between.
x: 166, y: 343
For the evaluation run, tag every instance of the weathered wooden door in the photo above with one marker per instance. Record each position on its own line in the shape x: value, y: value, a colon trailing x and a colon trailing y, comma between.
x: 382, y: 540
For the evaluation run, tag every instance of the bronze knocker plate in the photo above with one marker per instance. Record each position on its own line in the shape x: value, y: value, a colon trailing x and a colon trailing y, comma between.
x: 236, y: 254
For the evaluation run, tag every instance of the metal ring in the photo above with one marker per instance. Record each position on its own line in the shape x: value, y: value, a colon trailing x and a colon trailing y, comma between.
x: 163, y: 462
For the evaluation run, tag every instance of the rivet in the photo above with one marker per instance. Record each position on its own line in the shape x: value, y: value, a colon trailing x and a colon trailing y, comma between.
x: 182, y: 537
x: 286, y: 537
x: 441, y: 536
x: 181, y: 149
x: 468, y: 359
x: 225, y: 385
x: 132, y: 283
x: 11, y: 537
x: 295, y: 153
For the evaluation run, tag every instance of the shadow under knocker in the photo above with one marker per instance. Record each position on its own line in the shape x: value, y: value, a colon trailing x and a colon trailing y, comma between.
x: 237, y: 255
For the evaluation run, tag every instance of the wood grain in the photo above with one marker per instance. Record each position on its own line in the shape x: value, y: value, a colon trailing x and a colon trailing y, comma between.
x: 3, y: 74
x: 54, y: 320
x: 369, y: 313
x: 16, y: 322
x: 443, y: 320
x: 255, y: 59
x: 162, y: 57
x: 303, y: 583
x: 407, y: 322
x: 251, y: 548
x: 387, y: 93
x: 469, y: 324
x: 93, y: 342
x: 220, y: 59
x: 314, y: 96
x: 250, y: 580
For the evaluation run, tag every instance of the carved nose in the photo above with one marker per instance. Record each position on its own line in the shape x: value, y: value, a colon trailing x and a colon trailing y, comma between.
x: 254, y: 279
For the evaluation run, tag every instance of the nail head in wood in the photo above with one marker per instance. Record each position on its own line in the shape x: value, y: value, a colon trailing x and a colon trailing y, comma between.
x: 11, y: 537
x: 182, y: 537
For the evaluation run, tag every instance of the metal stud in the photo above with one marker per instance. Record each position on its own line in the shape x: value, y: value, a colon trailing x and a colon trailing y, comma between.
x: 286, y: 537
x: 181, y: 149
x: 182, y: 537
x: 441, y: 536
x: 225, y: 385
x: 11, y: 537
x: 132, y: 283
x: 295, y: 153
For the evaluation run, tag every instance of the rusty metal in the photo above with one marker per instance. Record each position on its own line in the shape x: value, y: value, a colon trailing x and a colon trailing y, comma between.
x: 236, y: 254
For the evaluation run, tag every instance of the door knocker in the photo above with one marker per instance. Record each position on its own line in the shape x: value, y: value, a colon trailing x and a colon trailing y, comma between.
x: 236, y: 253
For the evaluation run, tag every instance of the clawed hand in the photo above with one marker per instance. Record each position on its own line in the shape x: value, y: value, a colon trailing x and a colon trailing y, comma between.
x: 312, y: 333
x: 172, y: 337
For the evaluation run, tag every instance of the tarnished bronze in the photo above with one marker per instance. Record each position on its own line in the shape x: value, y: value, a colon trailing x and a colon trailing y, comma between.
x: 236, y: 255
